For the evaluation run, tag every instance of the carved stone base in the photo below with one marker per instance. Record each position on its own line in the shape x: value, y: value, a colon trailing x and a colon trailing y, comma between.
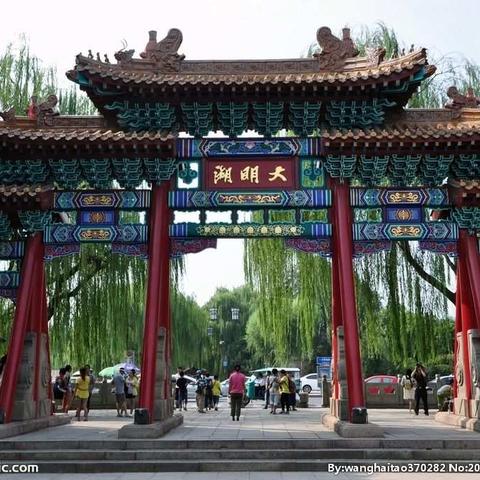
x: 152, y: 430
x: 460, y: 407
x: 351, y: 430
x: 24, y: 407
x: 163, y: 409
x: 339, y: 408
x: 475, y: 409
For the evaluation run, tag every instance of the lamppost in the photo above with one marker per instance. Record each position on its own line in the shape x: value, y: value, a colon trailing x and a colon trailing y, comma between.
x: 235, y: 315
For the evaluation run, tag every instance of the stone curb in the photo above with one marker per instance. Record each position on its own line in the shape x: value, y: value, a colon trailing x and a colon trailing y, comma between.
x: 153, y: 430
x: 26, y: 426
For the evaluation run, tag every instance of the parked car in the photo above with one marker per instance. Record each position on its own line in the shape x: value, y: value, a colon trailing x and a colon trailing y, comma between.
x: 381, y: 382
x: 309, y: 382
x: 432, y: 385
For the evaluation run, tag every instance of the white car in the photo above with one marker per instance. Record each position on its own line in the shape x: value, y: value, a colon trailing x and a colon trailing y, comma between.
x: 309, y: 383
x: 224, y: 387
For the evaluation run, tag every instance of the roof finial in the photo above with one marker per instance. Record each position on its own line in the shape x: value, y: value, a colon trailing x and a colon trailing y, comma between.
x: 334, y: 51
x: 164, y: 53
x: 459, y: 101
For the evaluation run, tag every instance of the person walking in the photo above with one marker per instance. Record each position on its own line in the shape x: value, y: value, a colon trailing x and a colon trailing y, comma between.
x: 181, y: 386
x: 82, y: 390
x: 236, y: 390
x: 131, y: 383
x: 274, y: 391
x: 200, y: 392
x: 268, y: 386
x: 216, y: 391
x: 420, y: 377
x: 119, y: 383
x: 408, y: 388
x: 284, y: 392
x: 67, y: 385
x: 208, y: 392
x: 91, y: 384
x: 292, y: 401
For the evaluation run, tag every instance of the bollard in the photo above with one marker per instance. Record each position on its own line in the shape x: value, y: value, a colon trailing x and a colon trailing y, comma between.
x: 359, y: 415
x: 303, y: 400
x: 141, y: 416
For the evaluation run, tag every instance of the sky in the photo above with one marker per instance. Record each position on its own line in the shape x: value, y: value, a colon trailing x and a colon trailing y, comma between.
x: 228, y: 29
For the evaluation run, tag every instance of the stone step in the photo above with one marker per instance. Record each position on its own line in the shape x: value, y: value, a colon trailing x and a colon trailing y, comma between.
x: 246, y: 444
x: 245, y: 454
x: 181, y: 465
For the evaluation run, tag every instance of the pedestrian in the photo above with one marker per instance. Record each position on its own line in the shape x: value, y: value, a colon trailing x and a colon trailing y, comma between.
x: 91, y: 384
x: 216, y: 391
x: 408, y: 388
x: 268, y: 385
x: 444, y: 396
x: 420, y: 377
x: 67, y: 397
x: 132, y: 390
x: 293, y: 391
x: 236, y: 389
x: 59, y: 387
x: 119, y: 383
x: 284, y: 392
x: 181, y: 386
x: 208, y: 392
x: 274, y: 392
x: 200, y: 392
x: 82, y: 390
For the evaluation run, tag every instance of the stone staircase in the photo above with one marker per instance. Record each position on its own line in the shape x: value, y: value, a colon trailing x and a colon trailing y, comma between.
x: 97, y: 456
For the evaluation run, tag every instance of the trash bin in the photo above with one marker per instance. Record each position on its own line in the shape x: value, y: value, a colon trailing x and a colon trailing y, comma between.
x: 359, y: 415
x: 251, y: 389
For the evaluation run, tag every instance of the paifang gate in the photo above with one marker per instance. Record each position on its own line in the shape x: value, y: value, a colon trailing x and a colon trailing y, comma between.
x: 418, y: 169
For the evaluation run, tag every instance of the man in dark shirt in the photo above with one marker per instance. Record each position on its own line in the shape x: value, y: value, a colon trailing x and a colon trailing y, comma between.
x: 182, y: 383
x: 420, y: 377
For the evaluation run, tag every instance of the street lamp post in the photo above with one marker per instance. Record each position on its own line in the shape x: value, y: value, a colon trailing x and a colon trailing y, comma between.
x: 235, y: 315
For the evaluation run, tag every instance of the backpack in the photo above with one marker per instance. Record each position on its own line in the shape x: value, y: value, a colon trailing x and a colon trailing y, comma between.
x: 291, y: 386
x: 201, y: 384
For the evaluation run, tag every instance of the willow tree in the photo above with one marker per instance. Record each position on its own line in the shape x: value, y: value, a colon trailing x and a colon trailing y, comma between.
x: 95, y: 299
x: 402, y: 295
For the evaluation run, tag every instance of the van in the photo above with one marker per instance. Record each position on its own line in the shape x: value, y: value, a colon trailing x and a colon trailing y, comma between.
x: 263, y: 371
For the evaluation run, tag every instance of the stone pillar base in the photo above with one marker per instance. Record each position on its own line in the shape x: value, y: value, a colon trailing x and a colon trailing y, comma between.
x: 162, y: 409
x: 460, y: 407
x: 352, y: 430
x: 339, y: 408
x: 152, y: 430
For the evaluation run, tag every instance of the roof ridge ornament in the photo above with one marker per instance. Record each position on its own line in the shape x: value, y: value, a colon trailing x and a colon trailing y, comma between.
x: 164, y: 53
x: 459, y: 101
x: 334, y: 51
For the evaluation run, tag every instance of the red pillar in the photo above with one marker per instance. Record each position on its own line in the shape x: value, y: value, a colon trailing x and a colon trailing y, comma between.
x: 466, y: 312
x: 472, y: 259
x: 458, y: 324
x: 157, y: 302
x: 19, y: 326
x: 343, y: 249
x: 336, y: 322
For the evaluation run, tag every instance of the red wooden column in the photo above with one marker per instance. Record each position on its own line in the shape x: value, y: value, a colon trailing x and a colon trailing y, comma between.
x: 20, y: 323
x: 469, y: 245
x: 157, y: 302
x: 458, y: 325
x: 467, y: 317
x: 343, y: 250
x: 336, y: 320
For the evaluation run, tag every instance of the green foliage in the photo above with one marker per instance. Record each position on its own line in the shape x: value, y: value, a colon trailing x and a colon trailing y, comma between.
x: 228, y: 341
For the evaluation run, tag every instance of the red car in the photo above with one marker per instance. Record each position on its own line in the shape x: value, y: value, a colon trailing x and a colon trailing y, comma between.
x: 378, y: 382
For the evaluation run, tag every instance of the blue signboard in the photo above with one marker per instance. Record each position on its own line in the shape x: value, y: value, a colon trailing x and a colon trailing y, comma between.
x: 324, y: 361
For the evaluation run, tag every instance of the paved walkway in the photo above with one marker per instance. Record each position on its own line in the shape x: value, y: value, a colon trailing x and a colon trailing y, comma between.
x: 255, y: 423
